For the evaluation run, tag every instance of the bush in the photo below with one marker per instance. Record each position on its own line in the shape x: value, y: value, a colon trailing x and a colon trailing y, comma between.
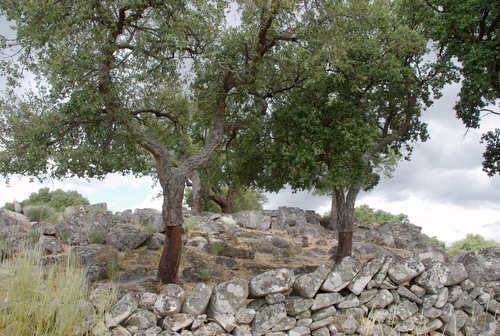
x: 98, y: 236
x: 365, y: 214
x: 57, y: 199
x: 38, y: 301
x: 39, y: 213
x: 436, y: 241
x: 471, y: 242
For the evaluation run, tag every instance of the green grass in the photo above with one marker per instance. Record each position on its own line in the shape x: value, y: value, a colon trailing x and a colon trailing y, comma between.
x: 191, y: 223
x: 112, y: 268
x: 204, y: 272
x: 98, y: 236
x: 37, y: 213
x: 38, y: 301
x: 217, y: 248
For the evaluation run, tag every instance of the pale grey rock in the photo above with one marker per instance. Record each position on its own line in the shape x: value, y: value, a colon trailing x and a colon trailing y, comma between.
x: 326, y: 299
x: 198, y: 241
x: 286, y: 324
x: 367, y: 295
x: 457, y: 321
x: 275, y: 281
x: 361, y: 279
x: 345, y: 323
x: 245, y: 315
x: 299, y: 331
x: 457, y: 274
x: 404, y: 309
x: 156, y: 241
x: 44, y: 228
x: 321, y: 323
x: 242, y: 330
x: 149, y: 217
x: 226, y: 321
x: 341, y: 275
x: 209, y: 329
x: 467, y: 285
x: 434, y: 277
x: 126, y: 236
x: 429, y: 300
x: 123, y: 216
x: 177, y: 321
x: 464, y: 300
x: 197, y: 301
x: 120, y: 331
x: 474, y: 264
x: 408, y: 294
x: 447, y: 312
x: 491, y: 256
x: 475, y: 309
x: 175, y: 291
x: 417, y: 290
x: 350, y: 301
x: 199, y: 320
x: 50, y: 244
x: 483, y: 324
x: 253, y: 220
x: 267, y: 317
x: 228, y: 297
x: 380, y: 276
x: 141, y: 320
x: 296, y: 305
x: 442, y: 297
x: 492, y: 306
x: 275, y: 298
x: 96, y: 258
x: 147, y: 300
x: 388, y: 284
x: 10, y: 218
x: 404, y: 270
x: 307, y: 285
x: 431, y: 312
x: 121, y: 310
x: 305, y: 314
x: 323, y: 313
x: 304, y: 321
x: 454, y: 293
x: 381, y: 300
x: 291, y: 216
x: 166, y: 305
x: 321, y: 332
x: 378, y: 315
x: 427, y: 328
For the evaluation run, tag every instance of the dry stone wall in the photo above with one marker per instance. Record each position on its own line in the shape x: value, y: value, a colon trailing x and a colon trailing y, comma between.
x: 384, y: 296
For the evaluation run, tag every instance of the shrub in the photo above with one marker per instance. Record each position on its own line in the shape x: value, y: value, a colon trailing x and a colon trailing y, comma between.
x: 98, y: 236
x: 57, y: 199
x: 38, y: 301
x: 204, y: 272
x: 37, y: 213
x: 112, y: 268
x: 436, y: 241
x: 471, y: 242
x: 217, y: 248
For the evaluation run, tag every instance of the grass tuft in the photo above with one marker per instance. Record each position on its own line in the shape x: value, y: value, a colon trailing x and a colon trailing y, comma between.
x: 37, y: 213
x: 38, y: 301
x: 98, y: 236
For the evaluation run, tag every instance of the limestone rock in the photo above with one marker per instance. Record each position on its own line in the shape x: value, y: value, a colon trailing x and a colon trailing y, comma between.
x: 197, y: 301
x: 361, y: 279
x: 434, y: 277
x: 307, y: 285
x: 141, y: 320
x: 228, y: 297
x: 275, y: 281
x: 267, y: 317
x: 404, y: 270
x: 253, y: 220
x: 341, y: 275
x: 125, y: 236
x: 121, y: 310
x: 148, y: 217
x: 10, y: 218
x: 177, y: 321
x: 167, y: 305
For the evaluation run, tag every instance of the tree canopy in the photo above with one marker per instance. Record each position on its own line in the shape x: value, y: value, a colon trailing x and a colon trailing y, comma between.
x: 367, y: 215
x: 472, y: 242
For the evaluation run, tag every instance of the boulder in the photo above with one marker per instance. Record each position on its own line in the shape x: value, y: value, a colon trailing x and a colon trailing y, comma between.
x: 126, y: 236
x: 267, y: 317
x: 275, y: 281
x: 253, y: 220
x: 121, y: 310
x: 307, y: 285
x: 404, y: 270
x: 341, y: 275
x: 149, y: 217
x: 228, y: 297
x: 434, y: 277
x: 197, y: 301
x: 9, y: 218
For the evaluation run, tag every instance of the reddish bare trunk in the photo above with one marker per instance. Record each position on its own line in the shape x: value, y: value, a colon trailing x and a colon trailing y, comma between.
x: 170, y: 260
x: 225, y: 203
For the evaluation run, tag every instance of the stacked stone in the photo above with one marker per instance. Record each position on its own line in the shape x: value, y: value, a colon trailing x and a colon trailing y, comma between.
x: 384, y: 296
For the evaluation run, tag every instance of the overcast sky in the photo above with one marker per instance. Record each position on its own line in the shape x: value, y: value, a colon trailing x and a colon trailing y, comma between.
x: 442, y: 189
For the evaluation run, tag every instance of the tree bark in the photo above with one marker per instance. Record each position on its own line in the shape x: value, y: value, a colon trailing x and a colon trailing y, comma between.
x: 168, y: 268
x: 225, y: 203
x: 345, y: 220
x: 197, y: 194
x: 333, y: 215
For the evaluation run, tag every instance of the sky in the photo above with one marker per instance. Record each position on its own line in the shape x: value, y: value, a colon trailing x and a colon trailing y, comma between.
x: 442, y: 189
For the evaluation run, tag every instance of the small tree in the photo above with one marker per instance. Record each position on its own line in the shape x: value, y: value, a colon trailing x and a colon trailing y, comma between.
x: 472, y: 242
x: 367, y: 215
x: 57, y: 199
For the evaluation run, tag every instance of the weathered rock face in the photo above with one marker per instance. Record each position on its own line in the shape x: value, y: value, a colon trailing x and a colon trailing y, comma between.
x: 9, y: 218
x: 147, y: 217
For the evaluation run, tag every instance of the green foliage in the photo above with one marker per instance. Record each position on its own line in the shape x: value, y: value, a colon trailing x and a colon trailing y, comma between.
x: 204, y: 272
x: 98, y: 236
x: 42, y: 213
x: 127, y: 252
x: 112, y: 268
x: 472, y: 242
x: 217, y: 248
x: 150, y: 228
x: 191, y: 223
x: 249, y: 199
x: 57, y: 199
x: 365, y: 214
x: 436, y: 241
x: 142, y: 249
x: 40, y: 301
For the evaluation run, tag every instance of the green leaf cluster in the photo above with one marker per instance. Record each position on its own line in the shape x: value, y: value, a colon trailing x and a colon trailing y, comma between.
x: 365, y: 214
x: 247, y: 199
x: 472, y: 242
x: 57, y: 199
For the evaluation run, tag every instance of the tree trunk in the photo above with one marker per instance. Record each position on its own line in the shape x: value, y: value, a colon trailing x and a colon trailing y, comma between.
x: 168, y: 268
x: 225, y: 203
x: 333, y: 215
x: 345, y: 220
x: 197, y: 194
